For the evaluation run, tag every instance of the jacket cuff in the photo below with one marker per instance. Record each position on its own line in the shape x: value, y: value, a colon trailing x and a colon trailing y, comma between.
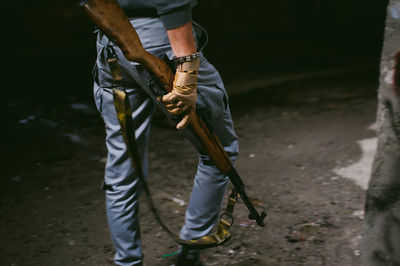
x: 177, y: 17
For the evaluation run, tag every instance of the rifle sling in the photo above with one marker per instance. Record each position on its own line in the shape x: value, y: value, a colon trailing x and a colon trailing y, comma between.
x: 124, y: 114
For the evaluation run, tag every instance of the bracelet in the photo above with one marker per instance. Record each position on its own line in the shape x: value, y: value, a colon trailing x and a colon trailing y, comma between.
x: 186, y: 58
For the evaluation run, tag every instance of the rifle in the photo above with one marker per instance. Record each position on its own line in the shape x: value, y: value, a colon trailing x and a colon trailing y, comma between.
x: 112, y: 20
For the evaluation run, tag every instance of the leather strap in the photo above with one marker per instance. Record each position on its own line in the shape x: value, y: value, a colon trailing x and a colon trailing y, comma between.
x: 124, y: 114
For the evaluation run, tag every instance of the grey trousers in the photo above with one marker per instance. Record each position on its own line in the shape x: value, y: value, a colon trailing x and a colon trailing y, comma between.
x: 123, y: 186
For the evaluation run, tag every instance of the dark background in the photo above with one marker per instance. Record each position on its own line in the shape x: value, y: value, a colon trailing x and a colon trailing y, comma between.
x: 292, y: 133
x: 52, y: 48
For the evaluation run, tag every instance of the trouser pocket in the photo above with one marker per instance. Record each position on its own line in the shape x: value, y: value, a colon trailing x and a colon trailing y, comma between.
x: 212, y: 101
x: 212, y: 98
x: 98, y: 97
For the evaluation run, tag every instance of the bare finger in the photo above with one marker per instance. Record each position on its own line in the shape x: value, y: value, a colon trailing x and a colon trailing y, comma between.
x: 184, y: 122
x: 176, y: 111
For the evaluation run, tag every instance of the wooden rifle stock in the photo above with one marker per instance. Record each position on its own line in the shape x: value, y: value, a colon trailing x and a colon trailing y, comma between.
x: 112, y: 20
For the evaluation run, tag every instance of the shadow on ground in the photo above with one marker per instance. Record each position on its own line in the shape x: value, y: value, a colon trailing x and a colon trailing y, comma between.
x: 292, y: 135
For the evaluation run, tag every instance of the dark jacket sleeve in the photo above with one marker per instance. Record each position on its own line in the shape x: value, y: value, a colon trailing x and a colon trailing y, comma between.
x: 174, y: 13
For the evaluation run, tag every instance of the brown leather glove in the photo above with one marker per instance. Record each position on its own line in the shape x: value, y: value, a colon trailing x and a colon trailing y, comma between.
x: 182, y: 99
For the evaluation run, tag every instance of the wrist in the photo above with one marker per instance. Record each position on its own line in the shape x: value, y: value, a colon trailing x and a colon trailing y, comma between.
x: 181, y: 39
x: 184, y: 51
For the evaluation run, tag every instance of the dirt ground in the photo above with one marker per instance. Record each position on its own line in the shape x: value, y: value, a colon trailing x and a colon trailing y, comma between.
x: 292, y: 135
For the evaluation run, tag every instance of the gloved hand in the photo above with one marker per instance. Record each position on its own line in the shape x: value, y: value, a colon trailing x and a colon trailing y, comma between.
x: 182, y: 99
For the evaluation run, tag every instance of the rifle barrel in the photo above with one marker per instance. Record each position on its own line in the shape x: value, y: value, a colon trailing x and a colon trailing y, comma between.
x: 239, y: 187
